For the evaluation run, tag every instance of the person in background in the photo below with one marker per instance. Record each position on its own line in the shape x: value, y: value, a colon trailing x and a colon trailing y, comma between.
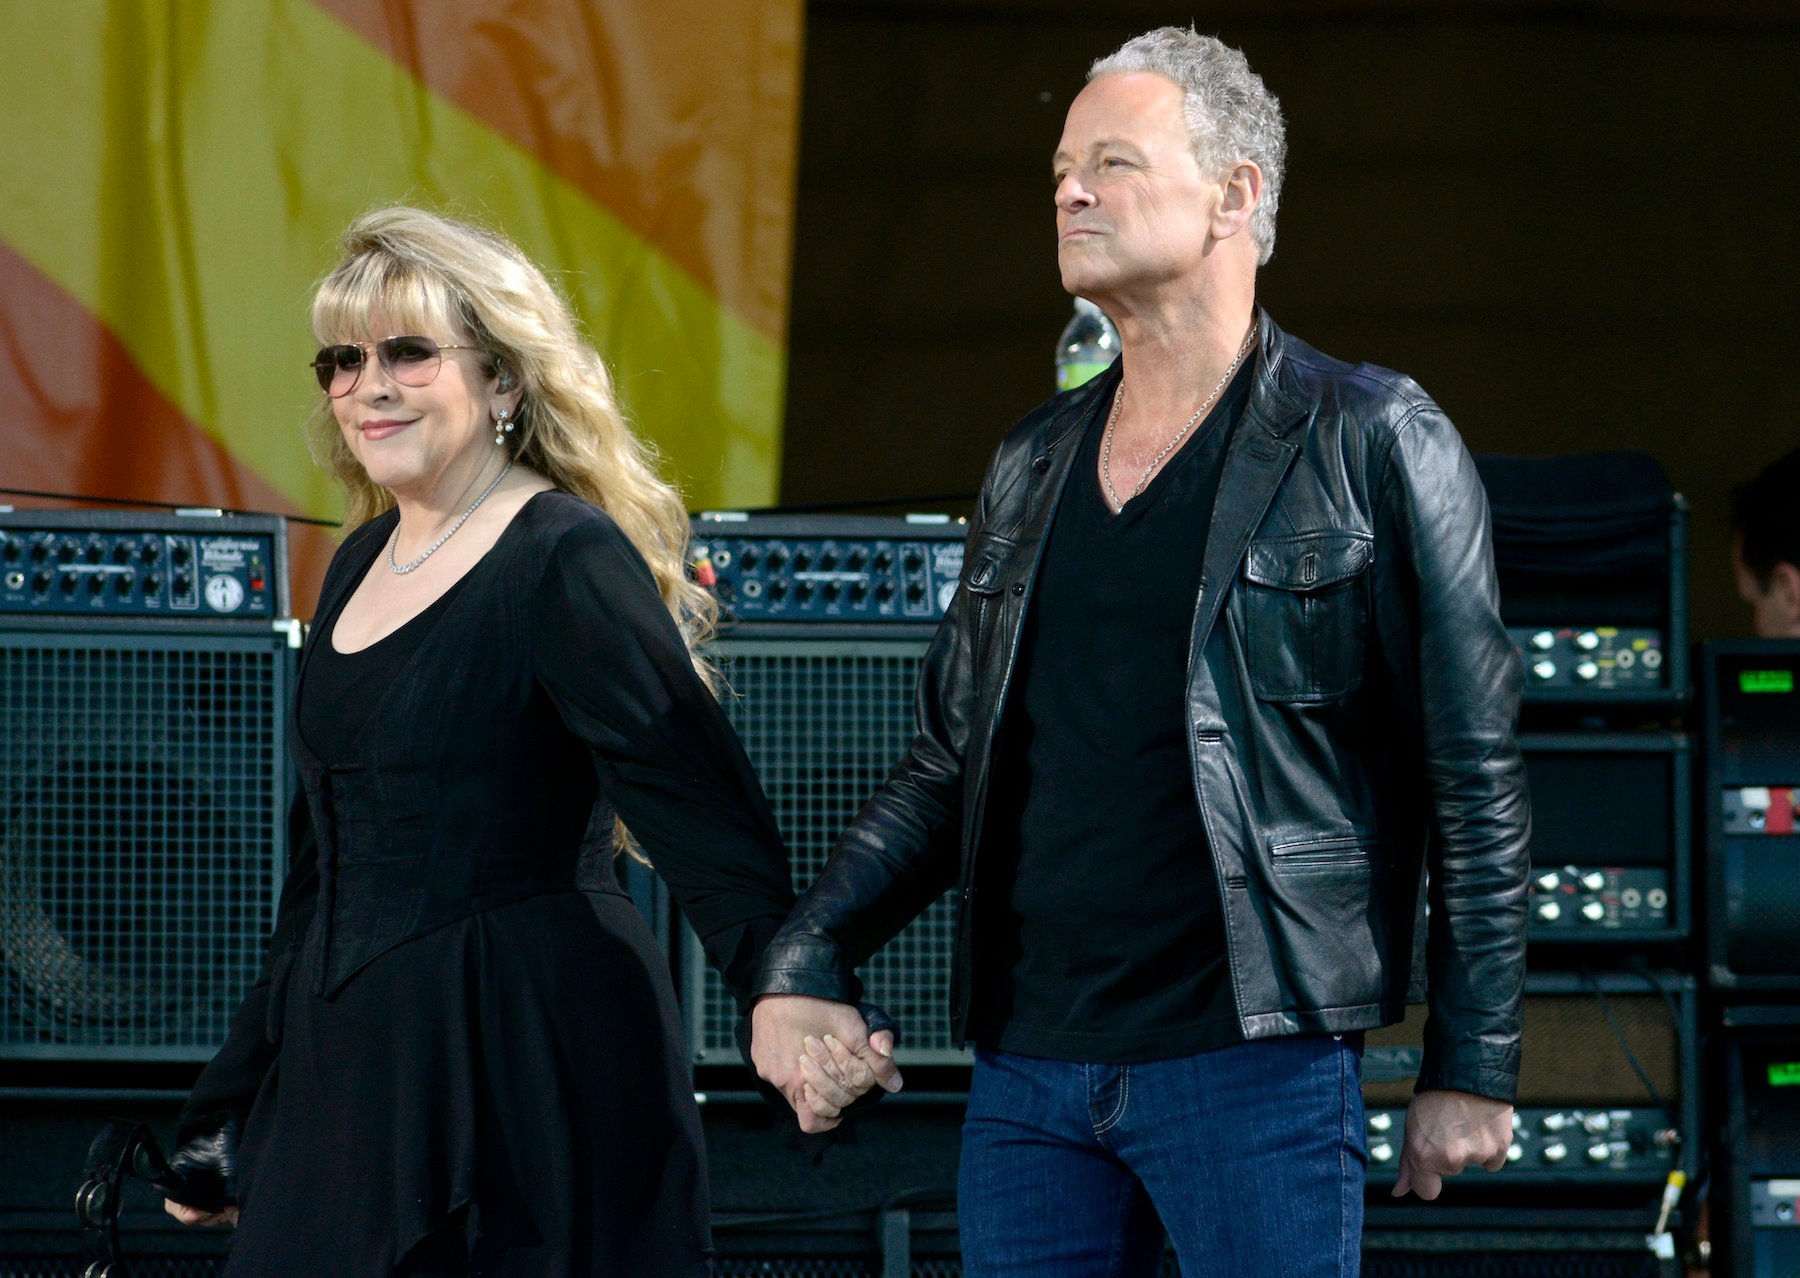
x: 1765, y: 547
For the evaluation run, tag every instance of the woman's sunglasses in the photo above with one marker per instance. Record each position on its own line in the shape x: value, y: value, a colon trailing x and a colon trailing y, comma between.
x: 411, y: 361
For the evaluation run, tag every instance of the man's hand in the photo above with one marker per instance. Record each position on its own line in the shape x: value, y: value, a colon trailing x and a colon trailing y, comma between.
x: 1446, y: 1132
x: 819, y: 1055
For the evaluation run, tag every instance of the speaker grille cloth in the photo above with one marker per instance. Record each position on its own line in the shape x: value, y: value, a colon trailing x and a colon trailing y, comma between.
x: 139, y: 840
x: 1570, y: 1054
x: 824, y: 721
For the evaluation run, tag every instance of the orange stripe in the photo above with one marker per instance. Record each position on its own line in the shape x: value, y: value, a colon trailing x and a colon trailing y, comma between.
x: 82, y: 417
x: 624, y: 101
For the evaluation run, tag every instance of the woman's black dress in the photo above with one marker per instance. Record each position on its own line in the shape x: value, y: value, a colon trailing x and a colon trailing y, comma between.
x: 465, y: 1055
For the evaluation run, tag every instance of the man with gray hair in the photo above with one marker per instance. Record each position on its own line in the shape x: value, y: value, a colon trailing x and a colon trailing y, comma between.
x: 1224, y: 699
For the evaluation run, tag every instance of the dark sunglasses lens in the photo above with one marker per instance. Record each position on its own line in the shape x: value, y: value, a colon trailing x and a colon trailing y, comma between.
x: 337, y: 368
x: 411, y: 361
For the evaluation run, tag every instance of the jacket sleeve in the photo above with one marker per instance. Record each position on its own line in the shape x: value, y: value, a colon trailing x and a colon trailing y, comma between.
x: 610, y: 657
x: 900, y: 853
x: 1437, y: 609
x: 228, y: 1085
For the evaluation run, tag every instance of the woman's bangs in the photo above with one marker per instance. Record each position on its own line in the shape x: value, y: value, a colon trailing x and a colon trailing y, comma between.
x: 373, y: 292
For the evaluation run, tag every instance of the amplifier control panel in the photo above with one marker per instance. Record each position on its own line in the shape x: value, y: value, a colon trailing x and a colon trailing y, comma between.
x: 1592, y: 658
x: 818, y: 569
x: 164, y: 568
x: 1775, y: 1204
x: 1572, y: 901
x: 1761, y: 809
x: 1562, y: 1144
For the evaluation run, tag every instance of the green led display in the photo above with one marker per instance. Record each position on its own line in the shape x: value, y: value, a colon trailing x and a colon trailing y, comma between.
x: 1784, y: 1074
x: 1766, y: 681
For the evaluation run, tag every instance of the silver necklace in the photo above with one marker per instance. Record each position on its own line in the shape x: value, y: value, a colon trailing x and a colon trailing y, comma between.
x: 403, y: 569
x: 1150, y: 470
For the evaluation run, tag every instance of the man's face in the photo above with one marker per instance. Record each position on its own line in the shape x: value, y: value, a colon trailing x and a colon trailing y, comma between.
x: 1774, y: 605
x: 1133, y: 211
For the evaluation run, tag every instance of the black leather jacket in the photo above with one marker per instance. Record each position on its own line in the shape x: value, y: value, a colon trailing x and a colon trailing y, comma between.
x: 1351, y: 696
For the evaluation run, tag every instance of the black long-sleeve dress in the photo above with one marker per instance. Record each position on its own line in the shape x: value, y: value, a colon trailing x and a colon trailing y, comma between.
x: 464, y: 1055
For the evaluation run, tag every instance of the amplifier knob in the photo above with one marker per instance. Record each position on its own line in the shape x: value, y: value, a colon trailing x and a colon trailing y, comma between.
x: 1381, y: 1121
x: 96, y: 584
x: 1554, y: 1152
x: 1587, y: 641
x: 1545, y: 670
x: 40, y: 551
x: 40, y: 580
x: 1593, y: 911
x: 885, y: 591
x: 803, y: 590
x: 1593, y: 880
x: 828, y: 561
x: 913, y: 561
x: 832, y: 591
x: 181, y: 554
x: 11, y: 552
x: 747, y: 558
x: 859, y: 591
x: 1587, y: 670
x: 1381, y: 1152
x: 184, y: 582
x: 65, y: 553
x: 915, y: 592
x: 96, y: 551
x: 68, y: 585
x: 1543, y: 641
x: 1599, y: 1153
x: 858, y: 558
x: 1597, y: 1123
x: 1554, y: 1122
x: 777, y: 559
x: 123, y: 583
x: 1514, y: 1152
x: 802, y: 560
x: 1549, y: 911
x: 884, y: 559
x: 153, y: 584
x: 778, y: 588
x: 1549, y: 881
x: 151, y: 552
x: 123, y: 551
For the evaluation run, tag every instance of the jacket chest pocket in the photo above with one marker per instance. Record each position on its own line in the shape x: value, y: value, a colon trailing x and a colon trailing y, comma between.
x: 1306, y: 607
x: 986, y: 574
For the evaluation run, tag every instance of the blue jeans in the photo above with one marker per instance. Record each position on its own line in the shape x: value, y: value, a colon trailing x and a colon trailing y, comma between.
x: 1252, y: 1157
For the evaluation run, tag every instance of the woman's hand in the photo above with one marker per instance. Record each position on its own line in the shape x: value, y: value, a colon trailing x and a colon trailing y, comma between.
x: 194, y: 1216
x: 834, y: 1076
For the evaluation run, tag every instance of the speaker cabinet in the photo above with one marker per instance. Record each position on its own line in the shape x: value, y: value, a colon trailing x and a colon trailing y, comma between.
x: 143, y: 783
x: 1756, y: 1195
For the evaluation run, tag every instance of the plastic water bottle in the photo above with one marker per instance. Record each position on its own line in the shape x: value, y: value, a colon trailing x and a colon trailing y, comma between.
x: 1087, y: 345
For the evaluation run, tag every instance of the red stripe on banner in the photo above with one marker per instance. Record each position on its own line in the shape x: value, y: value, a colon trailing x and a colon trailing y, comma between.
x: 81, y: 417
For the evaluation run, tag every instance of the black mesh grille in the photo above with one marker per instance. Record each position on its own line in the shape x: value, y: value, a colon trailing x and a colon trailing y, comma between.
x: 824, y: 722
x: 140, y: 839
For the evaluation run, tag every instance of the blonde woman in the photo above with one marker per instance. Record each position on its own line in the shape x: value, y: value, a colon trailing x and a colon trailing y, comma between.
x: 464, y: 1055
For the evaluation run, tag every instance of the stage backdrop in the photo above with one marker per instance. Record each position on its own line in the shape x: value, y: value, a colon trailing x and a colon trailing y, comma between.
x: 173, y: 177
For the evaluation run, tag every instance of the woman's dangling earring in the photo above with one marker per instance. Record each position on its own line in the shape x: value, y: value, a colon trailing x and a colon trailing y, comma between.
x: 503, y: 425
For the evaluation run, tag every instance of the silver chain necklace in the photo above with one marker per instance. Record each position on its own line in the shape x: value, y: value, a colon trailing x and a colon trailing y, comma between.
x: 403, y: 569
x: 1150, y: 470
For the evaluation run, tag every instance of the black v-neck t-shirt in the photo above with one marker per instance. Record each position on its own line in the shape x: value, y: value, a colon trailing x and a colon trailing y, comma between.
x: 1102, y: 933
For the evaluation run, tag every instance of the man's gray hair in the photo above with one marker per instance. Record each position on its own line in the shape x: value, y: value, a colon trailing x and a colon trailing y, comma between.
x: 1231, y: 116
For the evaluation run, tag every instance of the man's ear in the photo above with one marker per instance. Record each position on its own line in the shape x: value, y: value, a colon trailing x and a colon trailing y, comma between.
x: 1238, y: 199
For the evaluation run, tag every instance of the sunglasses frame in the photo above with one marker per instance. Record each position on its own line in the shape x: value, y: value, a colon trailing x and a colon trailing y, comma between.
x: 326, y: 368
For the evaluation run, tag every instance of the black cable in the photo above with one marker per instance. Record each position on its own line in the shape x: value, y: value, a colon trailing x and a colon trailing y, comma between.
x: 163, y: 505
x: 1637, y: 1066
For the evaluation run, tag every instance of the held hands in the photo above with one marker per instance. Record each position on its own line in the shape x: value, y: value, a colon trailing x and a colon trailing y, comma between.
x: 1447, y: 1131
x: 819, y: 1055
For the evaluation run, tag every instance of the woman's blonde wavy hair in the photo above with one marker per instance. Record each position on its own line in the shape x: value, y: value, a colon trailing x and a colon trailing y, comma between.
x: 413, y: 271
